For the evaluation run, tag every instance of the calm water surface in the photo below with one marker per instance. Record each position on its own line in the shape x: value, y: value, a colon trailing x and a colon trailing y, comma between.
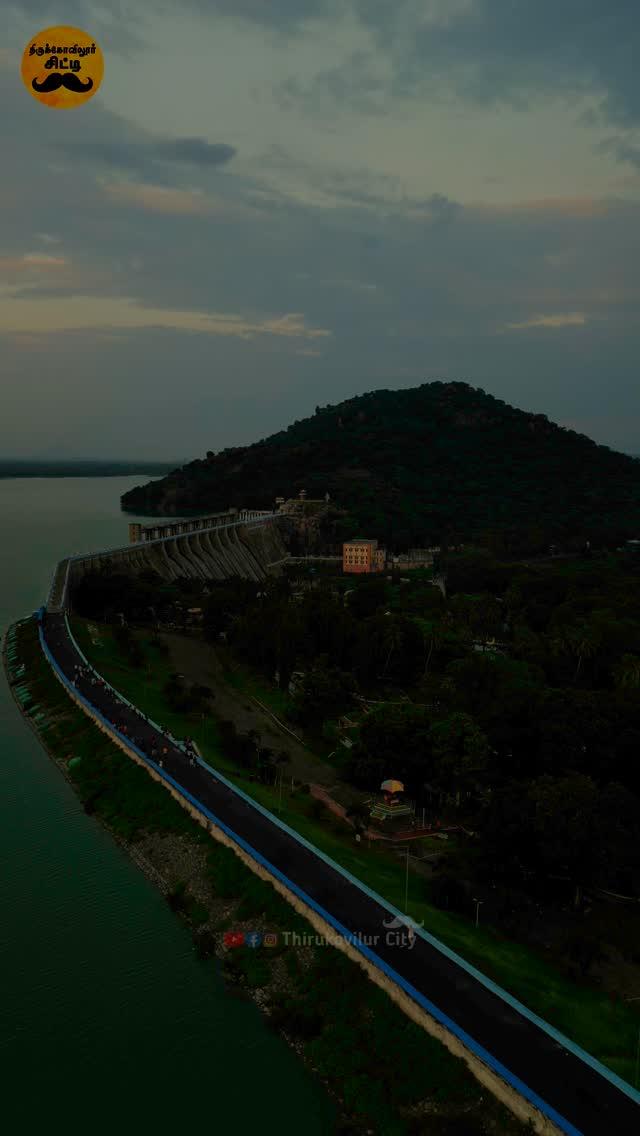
x: 107, y: 1018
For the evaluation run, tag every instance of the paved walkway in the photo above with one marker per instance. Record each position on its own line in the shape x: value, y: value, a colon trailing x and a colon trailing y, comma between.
x: 571, y: 1087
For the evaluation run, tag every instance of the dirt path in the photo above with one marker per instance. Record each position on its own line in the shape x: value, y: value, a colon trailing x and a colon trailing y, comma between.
x: 198, y: 661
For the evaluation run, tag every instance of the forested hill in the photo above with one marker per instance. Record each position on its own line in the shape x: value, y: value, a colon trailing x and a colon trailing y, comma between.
x: 442, y: 461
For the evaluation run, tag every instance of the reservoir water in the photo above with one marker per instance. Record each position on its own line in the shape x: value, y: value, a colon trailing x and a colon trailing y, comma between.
x: 108, y: 1019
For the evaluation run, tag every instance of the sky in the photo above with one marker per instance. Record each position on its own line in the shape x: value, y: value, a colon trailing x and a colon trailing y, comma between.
x: 271, y: 205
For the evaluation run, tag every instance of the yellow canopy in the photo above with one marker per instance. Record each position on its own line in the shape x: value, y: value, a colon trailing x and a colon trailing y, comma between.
x: 392, y: 787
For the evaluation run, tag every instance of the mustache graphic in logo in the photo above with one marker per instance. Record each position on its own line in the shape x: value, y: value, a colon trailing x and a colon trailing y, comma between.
x: 406, y: 922
x: 54, y: 82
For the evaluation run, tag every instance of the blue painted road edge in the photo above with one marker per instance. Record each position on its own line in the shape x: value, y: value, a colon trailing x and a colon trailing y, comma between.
x: 483, y: 1054
x: 555, y: 1034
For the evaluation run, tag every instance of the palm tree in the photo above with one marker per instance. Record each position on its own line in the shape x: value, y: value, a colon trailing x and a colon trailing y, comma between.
x: 436, y: 638
x: 627, y: 672
x: 582, y: 641
x: 394, y: 637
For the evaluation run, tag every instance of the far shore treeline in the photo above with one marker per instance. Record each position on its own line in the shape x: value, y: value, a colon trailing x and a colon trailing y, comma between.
x: 53, y: 468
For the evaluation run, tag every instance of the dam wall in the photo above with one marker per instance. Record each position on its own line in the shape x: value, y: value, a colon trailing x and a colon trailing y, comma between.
x: 249, y: 545
x: 266, y: 544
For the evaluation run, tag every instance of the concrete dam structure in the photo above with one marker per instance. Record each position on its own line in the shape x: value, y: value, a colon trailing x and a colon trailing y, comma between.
x: 246, y: 544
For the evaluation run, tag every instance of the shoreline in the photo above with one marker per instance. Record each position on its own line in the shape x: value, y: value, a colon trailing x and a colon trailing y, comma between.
x: 268, y: 981
x: 134, y: 854
x: 162, y: 884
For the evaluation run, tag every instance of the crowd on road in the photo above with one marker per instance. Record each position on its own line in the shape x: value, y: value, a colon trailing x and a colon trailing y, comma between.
x: 155, y: 742
x: 507, y: 1039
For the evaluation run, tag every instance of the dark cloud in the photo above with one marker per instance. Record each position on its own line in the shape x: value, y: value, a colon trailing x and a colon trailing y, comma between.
x: 622, y: 150
x: 487, y: 50
x: 354, y: 85
x: 276, y: 15
x: 194, y: 150
x: 500, y: 50
x: 115, y: 23
x: 411, y: 289
x: 144, y: 158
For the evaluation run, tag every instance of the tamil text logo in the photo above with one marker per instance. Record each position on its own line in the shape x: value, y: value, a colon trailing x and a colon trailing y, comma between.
x: 62, y: 67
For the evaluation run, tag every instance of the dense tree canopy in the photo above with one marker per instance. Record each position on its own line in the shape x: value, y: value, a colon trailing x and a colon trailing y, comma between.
x: 443, y: 462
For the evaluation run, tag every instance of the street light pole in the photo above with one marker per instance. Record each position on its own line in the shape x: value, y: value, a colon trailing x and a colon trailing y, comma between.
x: 406, y: 885
x: 636, y: 1076
x: 477, y: 903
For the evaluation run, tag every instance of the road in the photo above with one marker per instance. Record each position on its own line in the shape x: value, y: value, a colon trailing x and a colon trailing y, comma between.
x: 590, y: 1103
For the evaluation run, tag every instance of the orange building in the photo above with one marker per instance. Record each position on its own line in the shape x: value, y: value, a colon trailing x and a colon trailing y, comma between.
x: 363, y: 556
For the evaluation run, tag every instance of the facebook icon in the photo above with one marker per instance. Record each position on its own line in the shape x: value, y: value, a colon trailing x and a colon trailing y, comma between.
x: 253, y: 939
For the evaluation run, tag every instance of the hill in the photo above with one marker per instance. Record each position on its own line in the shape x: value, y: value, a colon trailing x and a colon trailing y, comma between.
x: 439, y: 462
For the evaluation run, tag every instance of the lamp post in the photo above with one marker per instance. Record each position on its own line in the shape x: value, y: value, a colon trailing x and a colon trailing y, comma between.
x: 636, y: 1076
x: 477, y: 903
x: 406, y: 885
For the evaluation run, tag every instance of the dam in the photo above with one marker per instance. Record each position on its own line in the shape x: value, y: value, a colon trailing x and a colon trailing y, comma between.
x: 539, y: 1073
x: 247, y: 543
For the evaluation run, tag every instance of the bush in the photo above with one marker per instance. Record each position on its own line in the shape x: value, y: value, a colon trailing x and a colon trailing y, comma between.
x: 177, y: 896
x: 297, y: 1019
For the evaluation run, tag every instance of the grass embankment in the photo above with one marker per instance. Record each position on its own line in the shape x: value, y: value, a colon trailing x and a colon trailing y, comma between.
x: 608, y: 1030
x: 392, y: 1077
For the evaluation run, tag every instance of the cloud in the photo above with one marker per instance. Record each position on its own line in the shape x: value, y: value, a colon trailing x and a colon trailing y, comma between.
x: 483, y: 50
x: 195, y: 150
x: 570, y: 319
x: 622, y: 150
x: 29, y: 271
x: 54, y: 316
x: 30, y: 260
x: 326, y: 186
x: 145, y: 156
x: 163, y: 199
x: 190, y: 226
x: 552, y: 206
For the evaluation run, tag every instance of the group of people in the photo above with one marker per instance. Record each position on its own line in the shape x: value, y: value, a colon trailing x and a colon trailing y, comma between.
x: 156, y: 752
x: 84, y: 672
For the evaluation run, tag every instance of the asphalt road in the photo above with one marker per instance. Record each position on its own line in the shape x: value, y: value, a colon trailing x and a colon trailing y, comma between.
x: 575, y: 1090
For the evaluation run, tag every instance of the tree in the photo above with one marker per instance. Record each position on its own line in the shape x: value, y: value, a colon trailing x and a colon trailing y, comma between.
x: 579, y: 641
x: 564, y: 828
x: 323, y: 692
x: 627, y: 672
x: 460, y: 754
x: 584, y: 642
x: 394, y: 742
x: 358, y: 813
x: 618, y: 858
x: 367, y: 597
x: 434, y: 636
x: 389, y: 646
x: 545, y: 827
